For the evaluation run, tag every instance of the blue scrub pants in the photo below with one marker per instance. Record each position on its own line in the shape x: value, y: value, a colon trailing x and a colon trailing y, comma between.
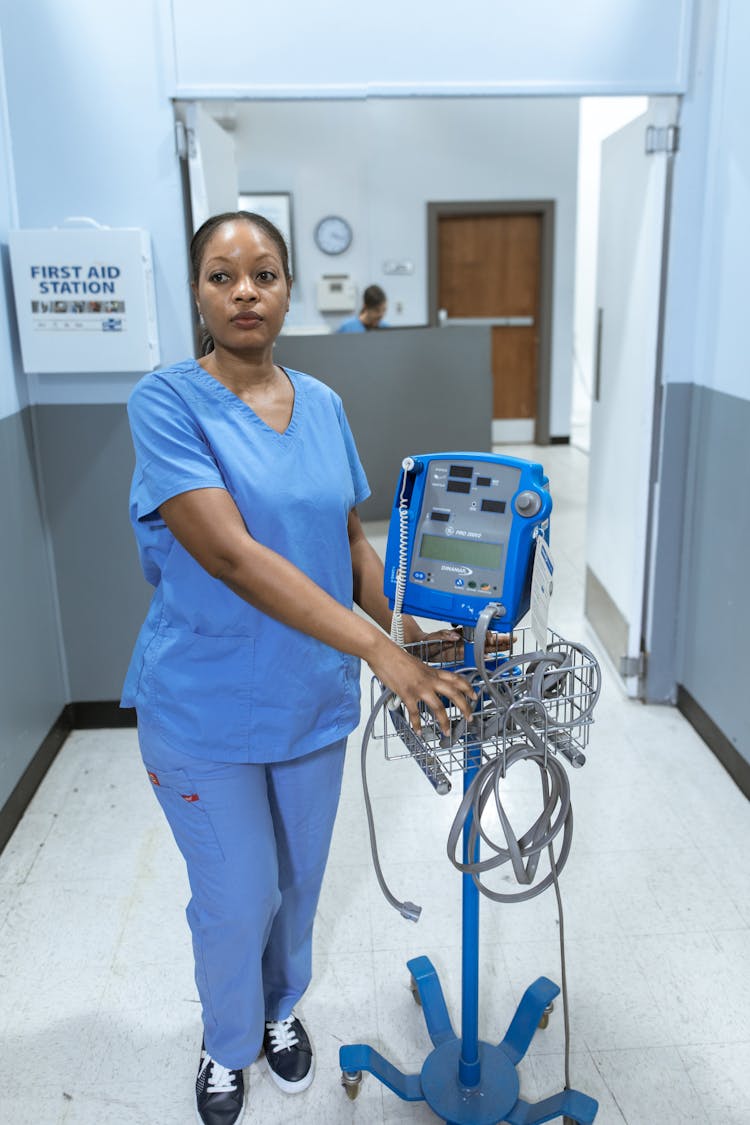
x: 255, y: 839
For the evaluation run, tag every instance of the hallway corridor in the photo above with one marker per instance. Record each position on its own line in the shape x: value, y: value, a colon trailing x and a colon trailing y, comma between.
x: 99, y: 1021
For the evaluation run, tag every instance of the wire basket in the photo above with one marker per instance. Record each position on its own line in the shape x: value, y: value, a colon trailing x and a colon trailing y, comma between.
x: 544, y: 698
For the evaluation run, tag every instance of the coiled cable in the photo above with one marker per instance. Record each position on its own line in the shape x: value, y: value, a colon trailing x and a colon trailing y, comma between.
x: 397, y: 623
x: 523, y: 853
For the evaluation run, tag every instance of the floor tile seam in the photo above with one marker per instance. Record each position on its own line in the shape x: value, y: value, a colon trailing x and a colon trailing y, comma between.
x: 729, y: 1044
x: 616, y: 853
x: 553, y: 939
x: 608, y: 1088
x: 638, y: 972
x: 707, y: 1108
x: 683, y: 931
x: 603, y: 938
x: 677, y: 1045
x: 740, y: 931
x: 95, y: 1099
x: 39, y: 843
x: 117, y: 943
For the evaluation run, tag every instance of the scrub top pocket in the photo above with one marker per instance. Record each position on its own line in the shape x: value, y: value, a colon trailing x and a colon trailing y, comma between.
x: 201, y: 684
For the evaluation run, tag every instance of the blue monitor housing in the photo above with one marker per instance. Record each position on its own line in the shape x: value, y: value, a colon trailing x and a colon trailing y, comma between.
x: 463, y: 527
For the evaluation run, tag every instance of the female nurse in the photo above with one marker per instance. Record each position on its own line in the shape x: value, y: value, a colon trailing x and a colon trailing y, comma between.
x: 245, y: 674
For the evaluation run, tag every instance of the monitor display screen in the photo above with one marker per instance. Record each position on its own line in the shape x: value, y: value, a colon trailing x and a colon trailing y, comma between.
x: 467, y: 552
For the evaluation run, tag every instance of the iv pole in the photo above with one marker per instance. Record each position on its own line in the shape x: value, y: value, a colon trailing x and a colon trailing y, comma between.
x: 466, y: 1081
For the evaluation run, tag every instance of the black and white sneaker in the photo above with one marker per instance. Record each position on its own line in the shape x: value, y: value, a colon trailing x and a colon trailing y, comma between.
x: 288, y: 1054
x: 219, y: 1093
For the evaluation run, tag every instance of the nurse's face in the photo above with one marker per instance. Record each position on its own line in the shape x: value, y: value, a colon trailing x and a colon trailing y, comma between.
x: 241, y: 291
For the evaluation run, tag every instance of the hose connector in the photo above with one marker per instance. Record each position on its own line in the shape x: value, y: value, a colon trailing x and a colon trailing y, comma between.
x: 410, y: 911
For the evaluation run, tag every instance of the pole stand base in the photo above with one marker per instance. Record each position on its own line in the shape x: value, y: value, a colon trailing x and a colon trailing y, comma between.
x: 493, y: 1098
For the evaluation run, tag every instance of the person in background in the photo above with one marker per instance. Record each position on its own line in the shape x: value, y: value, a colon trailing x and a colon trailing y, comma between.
x: 374, y: 308
x: 245, y: 674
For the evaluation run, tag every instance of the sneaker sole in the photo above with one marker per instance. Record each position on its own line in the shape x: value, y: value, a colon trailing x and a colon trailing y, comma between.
x: 292, y: 1087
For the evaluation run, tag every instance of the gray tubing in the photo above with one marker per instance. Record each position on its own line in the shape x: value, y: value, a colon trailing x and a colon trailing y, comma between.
x: 556, y: 815
x: 523, y: 854
x: 408, y: 910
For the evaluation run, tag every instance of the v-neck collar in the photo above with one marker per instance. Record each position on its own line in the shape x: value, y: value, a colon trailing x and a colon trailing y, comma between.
x: 236, y: 403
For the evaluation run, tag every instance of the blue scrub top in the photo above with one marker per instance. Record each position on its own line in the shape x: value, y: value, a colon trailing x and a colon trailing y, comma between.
x: 220, y: 679
x: 354, y: 324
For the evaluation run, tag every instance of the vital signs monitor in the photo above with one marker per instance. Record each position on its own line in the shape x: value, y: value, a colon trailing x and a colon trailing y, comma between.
x: 462, y: 535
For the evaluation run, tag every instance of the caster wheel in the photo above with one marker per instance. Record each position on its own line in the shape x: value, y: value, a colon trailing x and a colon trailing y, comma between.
x: 415, y: 992
x: 351, y: 1080
x: 544, y: 1021
x: 569, y: 1121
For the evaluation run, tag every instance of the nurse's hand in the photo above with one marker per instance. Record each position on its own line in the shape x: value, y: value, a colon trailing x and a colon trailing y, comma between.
x: 448, y: 644
x: 414, y: 682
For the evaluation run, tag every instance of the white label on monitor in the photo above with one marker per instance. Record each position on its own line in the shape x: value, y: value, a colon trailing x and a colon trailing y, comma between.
x: 541, y: 591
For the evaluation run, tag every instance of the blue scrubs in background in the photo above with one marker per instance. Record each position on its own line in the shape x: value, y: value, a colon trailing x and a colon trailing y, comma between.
x: 243, y: 720
x: 354, y: 324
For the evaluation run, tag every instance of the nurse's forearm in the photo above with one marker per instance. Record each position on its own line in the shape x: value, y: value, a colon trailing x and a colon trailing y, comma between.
x: 208, y: 524
x: 278, y: 588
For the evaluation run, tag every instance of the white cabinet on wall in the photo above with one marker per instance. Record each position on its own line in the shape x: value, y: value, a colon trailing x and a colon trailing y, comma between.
x: 84, y: 300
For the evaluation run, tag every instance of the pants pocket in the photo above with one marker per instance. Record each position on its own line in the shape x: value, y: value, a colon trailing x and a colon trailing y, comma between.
x: 188, y: 817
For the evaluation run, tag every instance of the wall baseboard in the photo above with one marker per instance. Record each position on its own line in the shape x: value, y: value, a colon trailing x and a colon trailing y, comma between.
x: 32, y: 777
x: 74, y: 716
x: 99, y: 713
x: 733, y: 762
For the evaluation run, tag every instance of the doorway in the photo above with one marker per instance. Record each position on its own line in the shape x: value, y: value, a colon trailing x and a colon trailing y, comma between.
x: 491, y: 264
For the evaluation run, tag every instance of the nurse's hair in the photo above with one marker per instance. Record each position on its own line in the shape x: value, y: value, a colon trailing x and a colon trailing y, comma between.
x: 203, y: 234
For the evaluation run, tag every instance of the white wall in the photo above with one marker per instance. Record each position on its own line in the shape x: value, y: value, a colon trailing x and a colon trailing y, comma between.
x: 91, y: 121
x: 91, y: 131
x: 334, y: 48
x: 599, y: 117
x: 12, y: 385
x: 379, y: 161
x: 727, y: 367
x: 707, y: 297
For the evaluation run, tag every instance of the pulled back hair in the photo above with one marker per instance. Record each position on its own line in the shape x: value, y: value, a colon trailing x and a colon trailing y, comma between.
x: 202, y: 236
x: 373, y: 297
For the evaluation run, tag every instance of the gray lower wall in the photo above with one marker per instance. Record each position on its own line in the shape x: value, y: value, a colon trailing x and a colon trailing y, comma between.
x: 669, y: 533
x: 698, y: 601
x: 87, y: 462
x: 404, y: 392
x: 714, y: 617
x: 32, y: 683
x: 399, y: 399
x: 410, y: 391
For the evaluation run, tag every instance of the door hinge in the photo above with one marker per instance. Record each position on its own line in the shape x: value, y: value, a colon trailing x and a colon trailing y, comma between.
x: 180, y: 140
x: 184, y: 141
x: 633, y: 666
x: 662, y: 138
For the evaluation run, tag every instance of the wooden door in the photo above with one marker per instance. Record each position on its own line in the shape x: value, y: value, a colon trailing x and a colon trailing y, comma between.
x: 489, y: 269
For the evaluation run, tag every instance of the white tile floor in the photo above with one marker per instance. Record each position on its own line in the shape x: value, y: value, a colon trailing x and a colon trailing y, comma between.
x: 99, y: 1022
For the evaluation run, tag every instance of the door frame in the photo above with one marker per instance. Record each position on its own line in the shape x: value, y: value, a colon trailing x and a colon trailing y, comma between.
x: 545, y: 208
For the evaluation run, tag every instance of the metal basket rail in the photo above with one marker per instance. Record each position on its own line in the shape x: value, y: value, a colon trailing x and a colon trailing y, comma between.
x: 526, y: 698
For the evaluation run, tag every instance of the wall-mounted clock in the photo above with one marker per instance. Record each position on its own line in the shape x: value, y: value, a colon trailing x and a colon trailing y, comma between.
x: 333, y: 235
